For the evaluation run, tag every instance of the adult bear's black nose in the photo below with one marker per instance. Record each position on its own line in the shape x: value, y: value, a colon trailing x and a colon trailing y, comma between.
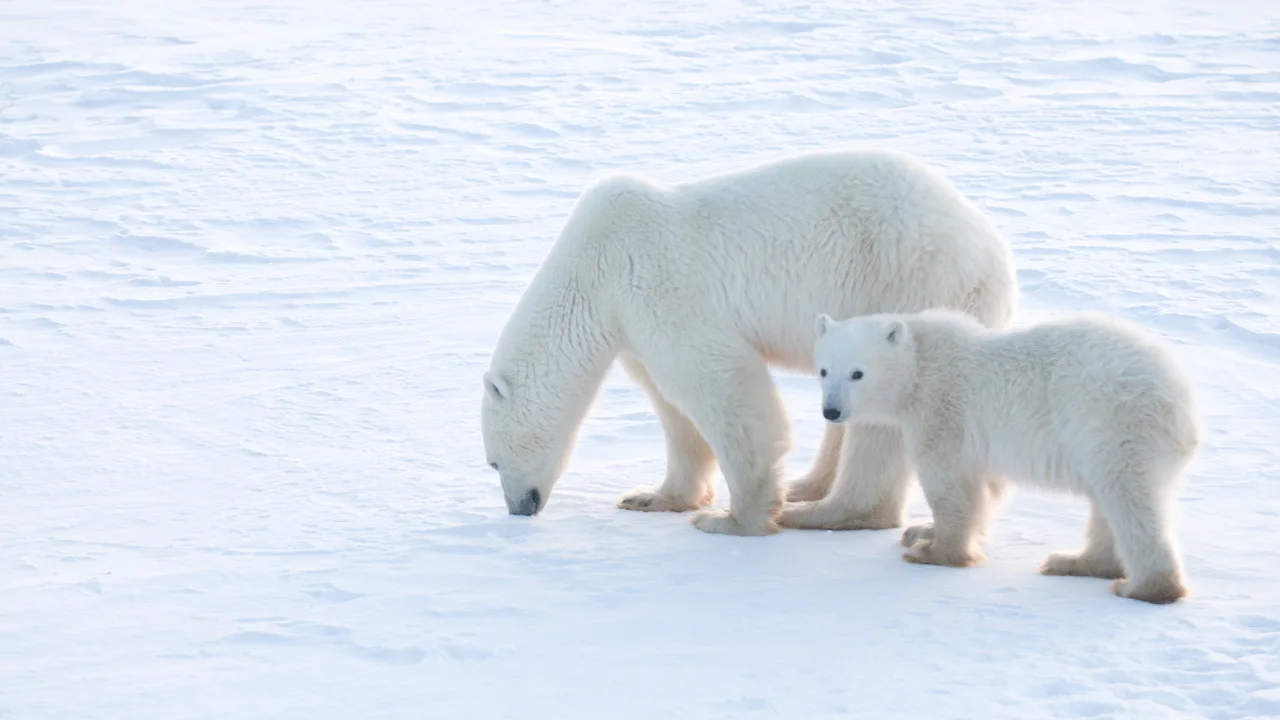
x: 830, y: 413
x: 530, y: 504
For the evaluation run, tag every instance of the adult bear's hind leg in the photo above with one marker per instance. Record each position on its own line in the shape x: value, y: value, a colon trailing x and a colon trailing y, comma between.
x: 817, y: 483
x: 870, y: 491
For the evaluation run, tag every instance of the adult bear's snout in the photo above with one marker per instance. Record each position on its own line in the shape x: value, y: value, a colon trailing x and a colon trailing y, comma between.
x: 529, y: 504
x: 831, y: 413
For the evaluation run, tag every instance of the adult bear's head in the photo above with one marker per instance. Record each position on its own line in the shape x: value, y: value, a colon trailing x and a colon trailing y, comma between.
x: 526, y: 444
x: 551, y: 358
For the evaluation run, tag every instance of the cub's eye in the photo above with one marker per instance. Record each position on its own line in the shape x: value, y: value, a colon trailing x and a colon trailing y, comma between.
x: 822, y: 372
x: 855, y: 375
x: 493, y: 465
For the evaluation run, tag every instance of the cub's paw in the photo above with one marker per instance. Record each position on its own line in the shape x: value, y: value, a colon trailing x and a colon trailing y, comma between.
x: 1157, y: 590
x: 1080, y: 565
x: 720, y: 522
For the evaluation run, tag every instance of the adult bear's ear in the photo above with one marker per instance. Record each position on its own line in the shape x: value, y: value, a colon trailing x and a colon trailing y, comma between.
x: 496, y: 386
x: 896, y: 331
x: 823, y: 324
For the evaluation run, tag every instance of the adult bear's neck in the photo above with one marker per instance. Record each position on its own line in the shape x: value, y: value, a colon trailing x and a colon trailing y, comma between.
x: 561, y: 340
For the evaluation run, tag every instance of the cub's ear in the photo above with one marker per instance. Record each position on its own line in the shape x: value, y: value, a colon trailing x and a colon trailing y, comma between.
x: 496, y: 386
x: 896, y: 332
x: 823, y: 324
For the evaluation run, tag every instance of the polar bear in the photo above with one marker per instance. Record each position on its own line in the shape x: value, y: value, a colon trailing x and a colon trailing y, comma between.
x: 1088, y: 404
x: 699, y: 288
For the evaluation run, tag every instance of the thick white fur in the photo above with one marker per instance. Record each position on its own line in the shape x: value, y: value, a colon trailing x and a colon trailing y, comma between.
x: 1089, y: 405
x: 699, y: 288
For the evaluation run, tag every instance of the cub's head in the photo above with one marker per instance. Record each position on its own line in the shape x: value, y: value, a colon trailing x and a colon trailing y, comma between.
x: 863, y: 363
x: 522, y: 441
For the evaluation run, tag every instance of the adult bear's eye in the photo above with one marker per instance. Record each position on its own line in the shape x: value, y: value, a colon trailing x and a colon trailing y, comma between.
x: 822, y: 372
x: 855, y: 375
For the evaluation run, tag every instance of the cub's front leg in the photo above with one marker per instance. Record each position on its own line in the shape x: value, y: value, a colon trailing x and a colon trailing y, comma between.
x: 958, y: 502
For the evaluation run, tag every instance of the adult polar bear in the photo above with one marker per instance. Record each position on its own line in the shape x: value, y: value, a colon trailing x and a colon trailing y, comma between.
x: 699, y: 288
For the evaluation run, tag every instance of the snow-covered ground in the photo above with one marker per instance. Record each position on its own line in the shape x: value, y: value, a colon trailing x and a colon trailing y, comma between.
x: 253, y: 257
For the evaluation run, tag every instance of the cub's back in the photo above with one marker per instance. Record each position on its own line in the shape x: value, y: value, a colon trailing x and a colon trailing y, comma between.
x: 1089, y: 381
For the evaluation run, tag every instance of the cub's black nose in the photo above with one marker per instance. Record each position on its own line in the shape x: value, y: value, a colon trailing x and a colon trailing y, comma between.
x: 830, y: 413
x: 530, y: 504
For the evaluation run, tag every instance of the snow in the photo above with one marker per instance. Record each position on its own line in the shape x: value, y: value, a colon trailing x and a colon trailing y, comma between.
x: 253, y: 257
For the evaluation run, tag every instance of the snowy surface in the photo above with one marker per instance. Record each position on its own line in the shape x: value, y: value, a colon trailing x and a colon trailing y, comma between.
x: 253, y: 257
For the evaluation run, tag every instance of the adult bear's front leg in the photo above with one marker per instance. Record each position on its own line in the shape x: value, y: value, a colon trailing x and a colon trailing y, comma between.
x: 731, y: 398
x: 690, y: 460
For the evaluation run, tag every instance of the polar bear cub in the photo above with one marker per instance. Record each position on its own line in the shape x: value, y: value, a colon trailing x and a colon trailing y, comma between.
x: 1088, y: 404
